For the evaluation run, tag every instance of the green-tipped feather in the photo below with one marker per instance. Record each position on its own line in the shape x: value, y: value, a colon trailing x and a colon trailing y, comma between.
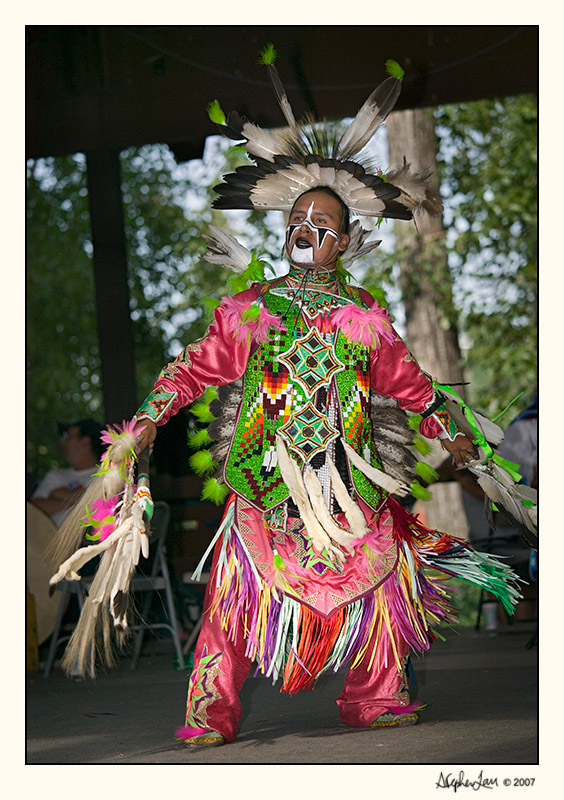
x: 202, y: 462
x: 215, y: 112
x: 420, y: 492
x: 199, y: 439
x: 214, y: 491
x: 268, y: 54
x: 394, y: 69
x: 421, y: 445
x: 202, y: 412
x: 426, y: 472
x: 210, y: 393
x: 414, y: 422
x: 250, y: 314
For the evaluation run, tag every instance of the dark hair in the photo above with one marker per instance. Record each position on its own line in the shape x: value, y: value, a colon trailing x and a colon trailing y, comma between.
x: 345, y: 216
x: 87, y: 427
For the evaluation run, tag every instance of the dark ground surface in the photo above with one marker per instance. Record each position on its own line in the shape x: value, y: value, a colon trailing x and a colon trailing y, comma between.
x: 480, y: 690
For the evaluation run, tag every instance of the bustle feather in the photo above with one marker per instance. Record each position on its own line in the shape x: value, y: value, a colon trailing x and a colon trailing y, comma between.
x: 369, y: 118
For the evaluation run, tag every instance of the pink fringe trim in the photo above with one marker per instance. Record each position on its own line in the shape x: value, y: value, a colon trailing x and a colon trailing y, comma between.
x: 240, y: 329
x: 366, y: 326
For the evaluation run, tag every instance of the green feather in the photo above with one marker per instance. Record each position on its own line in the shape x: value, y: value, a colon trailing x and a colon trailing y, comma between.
x: 215, y: 112
x: 420, y: 492
x: 422, y: 445
x: 214, y: 491
x: 201, y: 412
x: 210, y: 393
x: 414, y: 422
x: 202, y: 462
x: 394, y: 69
x: 199, y: 439
x: 268, y: 54
x: 278, y: 561
x: 250, y: 314
x: 210, y: 303
x: 426, y: 472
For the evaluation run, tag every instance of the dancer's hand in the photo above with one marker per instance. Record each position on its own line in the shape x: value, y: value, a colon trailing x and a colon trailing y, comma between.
x: 462, y: 449
x: 146, y: 436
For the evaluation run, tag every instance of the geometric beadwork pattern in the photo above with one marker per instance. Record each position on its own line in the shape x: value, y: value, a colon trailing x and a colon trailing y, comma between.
x: 308, y: 432
x: 446, y: 422
x: 272, y: 392
x: 201, y: 688
x: 312, y: 362
x: 311, y: 302
x: 155, y: 404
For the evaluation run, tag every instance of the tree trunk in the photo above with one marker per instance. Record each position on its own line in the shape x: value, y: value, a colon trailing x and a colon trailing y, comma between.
x: 426, y: 286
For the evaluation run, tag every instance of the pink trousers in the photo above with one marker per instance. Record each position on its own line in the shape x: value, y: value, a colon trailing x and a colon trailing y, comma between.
x: 221, y: 668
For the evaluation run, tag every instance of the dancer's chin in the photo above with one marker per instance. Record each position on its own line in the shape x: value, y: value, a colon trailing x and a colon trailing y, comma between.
x: 302, y: 256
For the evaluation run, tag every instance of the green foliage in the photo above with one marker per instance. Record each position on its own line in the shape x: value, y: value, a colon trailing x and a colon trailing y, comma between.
x: 62, y: 358
x: 166, y: 211
x: 488, y: 166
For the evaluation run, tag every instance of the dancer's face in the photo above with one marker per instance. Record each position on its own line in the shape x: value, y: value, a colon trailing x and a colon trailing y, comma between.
x: 312, y: 237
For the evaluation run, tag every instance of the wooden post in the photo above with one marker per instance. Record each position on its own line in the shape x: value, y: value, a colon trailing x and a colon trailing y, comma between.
x: 426, y: 285
x: 115, y: 333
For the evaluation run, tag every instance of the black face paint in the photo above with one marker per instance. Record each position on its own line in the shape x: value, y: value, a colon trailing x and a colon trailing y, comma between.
x: 306, y: 255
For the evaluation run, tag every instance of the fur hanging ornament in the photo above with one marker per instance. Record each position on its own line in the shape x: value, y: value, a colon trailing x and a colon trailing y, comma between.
x: 307, y: 154
x: 121, y: 538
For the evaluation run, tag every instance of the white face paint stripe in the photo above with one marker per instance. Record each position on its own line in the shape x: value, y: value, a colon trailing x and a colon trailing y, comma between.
x: 321, y: 230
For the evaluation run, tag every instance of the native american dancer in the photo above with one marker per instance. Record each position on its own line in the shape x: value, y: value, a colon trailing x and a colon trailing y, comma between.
x: 316, y: 565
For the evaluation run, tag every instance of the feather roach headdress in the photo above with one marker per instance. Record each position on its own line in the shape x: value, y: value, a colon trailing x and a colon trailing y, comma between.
x: 291, y: 160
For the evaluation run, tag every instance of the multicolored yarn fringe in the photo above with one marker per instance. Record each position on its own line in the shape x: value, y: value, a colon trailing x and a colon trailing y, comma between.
x: 287, y: 639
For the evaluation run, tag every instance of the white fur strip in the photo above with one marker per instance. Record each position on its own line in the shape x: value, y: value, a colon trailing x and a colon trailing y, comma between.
x: 335, y: 531
x: 353, y: 513
x: 68, y: 569
x: 376, y: 475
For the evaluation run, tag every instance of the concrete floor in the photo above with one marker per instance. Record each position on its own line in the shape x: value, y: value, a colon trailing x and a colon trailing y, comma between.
x: 480, y: 690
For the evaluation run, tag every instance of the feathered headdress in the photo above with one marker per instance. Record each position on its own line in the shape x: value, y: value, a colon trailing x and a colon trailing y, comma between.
x: 291, y: 160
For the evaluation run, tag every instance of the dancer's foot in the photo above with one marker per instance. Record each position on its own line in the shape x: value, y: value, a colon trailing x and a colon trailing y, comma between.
x: 208, y: 738
x: 389, y: 720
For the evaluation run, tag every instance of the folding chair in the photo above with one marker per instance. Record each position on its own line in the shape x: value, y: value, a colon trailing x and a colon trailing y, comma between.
x: 157, y: 580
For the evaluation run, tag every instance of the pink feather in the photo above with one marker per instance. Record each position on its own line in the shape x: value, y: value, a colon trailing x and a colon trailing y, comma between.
x: 254, y: 329
x: 101, y: 510
x: 366, y: 326
x: 187, y: 732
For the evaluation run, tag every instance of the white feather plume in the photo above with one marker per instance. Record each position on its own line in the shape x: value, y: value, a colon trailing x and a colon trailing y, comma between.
x: 332, y: 528
x: 358, y: 245
x: 292, y: 477
x: 369, y: 118
x: 262, y: 143
x: 353, y: 513
x: 376, y: 475
x: 416, y: 191
x: 225, y: 250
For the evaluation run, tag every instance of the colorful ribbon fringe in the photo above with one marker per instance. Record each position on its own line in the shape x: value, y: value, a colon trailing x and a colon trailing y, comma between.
x: 286, y: 639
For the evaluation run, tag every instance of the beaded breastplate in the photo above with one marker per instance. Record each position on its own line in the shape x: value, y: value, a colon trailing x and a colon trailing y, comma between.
x: 312, y: 387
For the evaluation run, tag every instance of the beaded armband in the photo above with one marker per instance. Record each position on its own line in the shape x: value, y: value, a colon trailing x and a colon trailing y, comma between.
x: 155, y: 405
x: 434, y: 409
